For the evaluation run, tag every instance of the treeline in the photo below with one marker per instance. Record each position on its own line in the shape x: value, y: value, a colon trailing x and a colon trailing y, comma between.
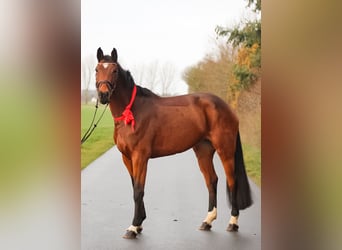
x: 238, y: 64
x: 212, y: 74
x: 233, y: 73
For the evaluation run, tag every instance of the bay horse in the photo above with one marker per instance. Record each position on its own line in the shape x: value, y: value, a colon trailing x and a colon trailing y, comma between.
x: 149, y: 126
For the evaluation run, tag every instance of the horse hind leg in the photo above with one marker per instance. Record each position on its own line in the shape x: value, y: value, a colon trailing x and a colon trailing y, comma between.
x: 238, y: 188
x: 204, y: 152
x: 228, y: 164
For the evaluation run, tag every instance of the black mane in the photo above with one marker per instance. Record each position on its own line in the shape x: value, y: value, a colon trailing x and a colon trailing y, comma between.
x: 141, y: 91
x: 126, y: 74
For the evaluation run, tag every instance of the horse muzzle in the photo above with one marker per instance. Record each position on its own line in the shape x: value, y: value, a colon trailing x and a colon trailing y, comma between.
x: 104, y: 97
x: 104, y: 90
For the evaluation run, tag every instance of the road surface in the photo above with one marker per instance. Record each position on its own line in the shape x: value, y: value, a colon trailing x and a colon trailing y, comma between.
x: 176, y: 202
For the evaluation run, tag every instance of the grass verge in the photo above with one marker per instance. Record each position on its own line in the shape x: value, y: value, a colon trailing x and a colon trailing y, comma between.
x: 252, y: 157
x: 102, y: 137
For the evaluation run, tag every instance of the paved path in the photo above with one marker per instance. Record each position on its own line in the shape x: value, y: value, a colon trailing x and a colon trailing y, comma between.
x: 176, y: 201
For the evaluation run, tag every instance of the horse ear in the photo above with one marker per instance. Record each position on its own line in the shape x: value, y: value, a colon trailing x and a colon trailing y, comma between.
x: 114, y: 55
x: 99, y: 54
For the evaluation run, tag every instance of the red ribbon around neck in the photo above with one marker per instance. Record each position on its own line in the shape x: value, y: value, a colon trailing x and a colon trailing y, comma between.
x: 127, y: 115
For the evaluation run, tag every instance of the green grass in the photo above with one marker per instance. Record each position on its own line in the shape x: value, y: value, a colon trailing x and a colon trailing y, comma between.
x: 252, y: 157
x: 102, y: 137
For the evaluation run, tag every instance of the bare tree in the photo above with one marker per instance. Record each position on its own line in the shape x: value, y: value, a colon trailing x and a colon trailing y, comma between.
x: 138, y: 72
x: 167, y: 76
x: 152, y: 75
x: 155, y: 76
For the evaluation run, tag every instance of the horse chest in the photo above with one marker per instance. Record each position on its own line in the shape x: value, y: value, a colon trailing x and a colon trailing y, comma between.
x: 121, y: 143
x: 125, y: 142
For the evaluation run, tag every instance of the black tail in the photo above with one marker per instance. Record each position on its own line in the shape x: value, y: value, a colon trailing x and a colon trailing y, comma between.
x: 242, y: 190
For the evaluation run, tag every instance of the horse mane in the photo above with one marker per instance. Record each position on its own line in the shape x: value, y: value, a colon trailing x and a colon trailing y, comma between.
x: 128, y: 78
x: 141, y: 91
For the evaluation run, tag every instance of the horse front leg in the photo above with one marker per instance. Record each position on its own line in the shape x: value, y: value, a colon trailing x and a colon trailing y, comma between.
x: 139, y: 170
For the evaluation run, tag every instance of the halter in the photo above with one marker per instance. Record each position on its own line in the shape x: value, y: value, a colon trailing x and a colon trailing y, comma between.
x: 110, y: 85
x: 127, y: 115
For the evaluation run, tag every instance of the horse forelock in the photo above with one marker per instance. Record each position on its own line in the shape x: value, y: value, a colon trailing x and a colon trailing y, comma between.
x: 107, y: 58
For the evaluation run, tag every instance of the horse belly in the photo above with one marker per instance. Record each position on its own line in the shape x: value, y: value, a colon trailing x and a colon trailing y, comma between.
x: 176, y: 137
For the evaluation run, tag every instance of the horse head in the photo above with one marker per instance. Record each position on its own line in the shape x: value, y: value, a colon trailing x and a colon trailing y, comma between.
x: 107, y: 73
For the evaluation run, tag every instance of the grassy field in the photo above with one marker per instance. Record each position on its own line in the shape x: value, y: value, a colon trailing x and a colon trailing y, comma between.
x: 102, y: 137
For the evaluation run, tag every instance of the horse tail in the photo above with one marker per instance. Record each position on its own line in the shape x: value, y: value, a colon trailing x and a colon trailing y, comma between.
x: 241, y: 190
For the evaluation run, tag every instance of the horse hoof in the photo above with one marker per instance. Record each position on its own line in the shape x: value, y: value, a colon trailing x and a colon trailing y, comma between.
x: 205, y: 227
x: 130, y: 235
x: 232, y: 228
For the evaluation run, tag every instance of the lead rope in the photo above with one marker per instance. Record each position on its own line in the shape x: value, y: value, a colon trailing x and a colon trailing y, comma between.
x: 91, y: 129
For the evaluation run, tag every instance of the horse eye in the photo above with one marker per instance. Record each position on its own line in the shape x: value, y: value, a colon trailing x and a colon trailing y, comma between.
x: 96, y: 70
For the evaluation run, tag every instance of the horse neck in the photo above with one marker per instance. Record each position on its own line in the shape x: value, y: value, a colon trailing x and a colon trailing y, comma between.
x: 120, y: 97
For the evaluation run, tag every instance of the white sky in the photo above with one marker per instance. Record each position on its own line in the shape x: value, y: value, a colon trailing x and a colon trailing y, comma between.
x: 180, y: 32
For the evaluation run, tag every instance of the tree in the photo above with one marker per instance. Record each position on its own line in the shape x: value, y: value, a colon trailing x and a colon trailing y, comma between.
x: 138, y: 72
x: 167, y: 76
x: 246, y: 38
x: 156, y: 76
x: 152, y: 75
x: 256, y: 3
x: 212, y: 73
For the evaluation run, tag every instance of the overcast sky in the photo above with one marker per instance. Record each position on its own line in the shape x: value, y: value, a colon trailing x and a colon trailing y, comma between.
x: 180, y: 32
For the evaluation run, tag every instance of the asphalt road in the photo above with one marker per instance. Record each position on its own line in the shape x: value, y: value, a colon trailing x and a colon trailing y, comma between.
x: 176, y: 202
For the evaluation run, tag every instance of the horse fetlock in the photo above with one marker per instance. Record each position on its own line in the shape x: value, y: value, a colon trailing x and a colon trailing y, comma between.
x: 133, y: 229
x: 132, y: 232
x: 233, y: 220
x: 233, y: 224
x: 211, y: 216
